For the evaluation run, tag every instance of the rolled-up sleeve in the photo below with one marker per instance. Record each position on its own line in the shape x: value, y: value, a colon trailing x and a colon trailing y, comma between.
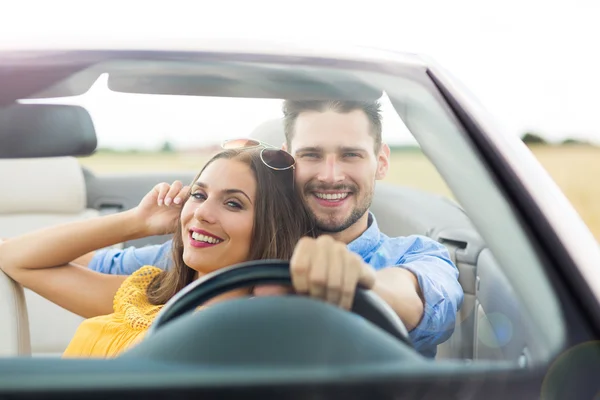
x: 127, y: 261
x: 437, y: 275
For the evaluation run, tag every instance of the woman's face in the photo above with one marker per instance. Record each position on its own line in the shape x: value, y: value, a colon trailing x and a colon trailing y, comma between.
x: 218, y: 218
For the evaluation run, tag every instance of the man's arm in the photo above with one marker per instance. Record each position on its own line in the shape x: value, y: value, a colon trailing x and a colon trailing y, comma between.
x: 127, y: 261
x: 422, y: 287
x: 428, y: 273
x: 400, y: 289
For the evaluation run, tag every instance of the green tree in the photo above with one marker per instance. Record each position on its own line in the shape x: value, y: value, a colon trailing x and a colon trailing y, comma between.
x: 533, y: 138
x: 572, y: 141
x: 167, y: 147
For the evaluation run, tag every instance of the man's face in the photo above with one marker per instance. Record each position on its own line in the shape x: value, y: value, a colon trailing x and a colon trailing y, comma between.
x: 336, y: 166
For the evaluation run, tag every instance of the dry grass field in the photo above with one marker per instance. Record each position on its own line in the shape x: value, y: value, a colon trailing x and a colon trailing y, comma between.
x: 575, y: 169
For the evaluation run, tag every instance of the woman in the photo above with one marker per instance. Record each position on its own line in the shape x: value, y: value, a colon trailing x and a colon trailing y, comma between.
x: 240, y: 207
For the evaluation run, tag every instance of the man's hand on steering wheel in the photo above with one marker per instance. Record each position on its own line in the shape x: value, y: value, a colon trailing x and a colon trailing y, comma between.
x: 367, y: 303
x: 325, y: 269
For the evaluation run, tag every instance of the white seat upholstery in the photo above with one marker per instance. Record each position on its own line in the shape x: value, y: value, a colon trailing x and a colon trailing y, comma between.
x: 37, y: 193
x: 270, y: 132
x: 14, y: 335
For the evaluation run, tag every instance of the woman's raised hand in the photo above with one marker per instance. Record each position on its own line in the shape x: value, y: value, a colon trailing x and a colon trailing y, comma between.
x: 160, y: 208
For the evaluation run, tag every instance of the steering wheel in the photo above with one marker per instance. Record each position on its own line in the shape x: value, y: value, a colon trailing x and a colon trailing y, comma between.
x: 366, y: 303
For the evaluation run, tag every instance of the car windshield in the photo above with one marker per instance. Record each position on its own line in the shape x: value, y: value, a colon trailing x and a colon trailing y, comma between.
x: 154, y: 133
x: 162, y: 120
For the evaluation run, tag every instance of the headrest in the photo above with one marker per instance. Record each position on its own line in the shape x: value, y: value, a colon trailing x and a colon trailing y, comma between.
x: 270, y: 132
x: 41, y: 185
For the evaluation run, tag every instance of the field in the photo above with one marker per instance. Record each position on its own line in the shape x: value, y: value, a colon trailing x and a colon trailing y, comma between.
x: 574, y: 168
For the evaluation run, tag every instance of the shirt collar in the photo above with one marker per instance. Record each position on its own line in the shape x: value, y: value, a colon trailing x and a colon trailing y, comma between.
x: 369, y: 240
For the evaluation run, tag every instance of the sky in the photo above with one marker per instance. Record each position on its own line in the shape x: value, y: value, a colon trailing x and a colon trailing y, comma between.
x: 533, y: 64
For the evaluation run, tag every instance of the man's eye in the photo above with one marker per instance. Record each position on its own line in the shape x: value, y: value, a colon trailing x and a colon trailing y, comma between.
x: 309, y: 155
x: 351, y: 155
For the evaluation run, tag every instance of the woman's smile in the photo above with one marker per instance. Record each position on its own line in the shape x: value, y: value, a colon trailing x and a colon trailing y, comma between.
x: 200, y: 238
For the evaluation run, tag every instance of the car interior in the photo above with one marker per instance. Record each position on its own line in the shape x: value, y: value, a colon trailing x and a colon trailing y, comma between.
x: 487, y: 326
x: 511, y: 319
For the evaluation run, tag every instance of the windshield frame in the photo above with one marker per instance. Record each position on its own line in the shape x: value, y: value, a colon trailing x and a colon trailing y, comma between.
x: 465, y: 135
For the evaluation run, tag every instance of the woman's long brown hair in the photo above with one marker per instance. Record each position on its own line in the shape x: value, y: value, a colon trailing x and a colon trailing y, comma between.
x: 280, y: 219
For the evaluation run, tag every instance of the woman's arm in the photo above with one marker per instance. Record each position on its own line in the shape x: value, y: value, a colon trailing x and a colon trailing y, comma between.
x: 42, y: 260
x: 85, y: 259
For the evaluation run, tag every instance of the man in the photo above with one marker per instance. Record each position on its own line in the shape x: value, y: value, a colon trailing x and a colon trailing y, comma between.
x: 339, y: 155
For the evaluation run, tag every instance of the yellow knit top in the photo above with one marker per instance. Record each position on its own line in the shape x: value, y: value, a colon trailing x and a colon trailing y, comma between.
x: 108, y: 335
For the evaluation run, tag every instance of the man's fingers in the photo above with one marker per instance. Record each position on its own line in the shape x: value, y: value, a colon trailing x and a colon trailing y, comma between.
x: 300, y: 264
x: 335, y: 274
x: 317, y: 276
x: 353, y: 265
x: 350, y: 279
x: 327, y: 270
x: 367, y: 274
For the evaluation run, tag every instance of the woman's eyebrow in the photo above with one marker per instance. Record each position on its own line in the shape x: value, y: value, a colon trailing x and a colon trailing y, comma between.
x: 203, y: 185
x: 234, y: 191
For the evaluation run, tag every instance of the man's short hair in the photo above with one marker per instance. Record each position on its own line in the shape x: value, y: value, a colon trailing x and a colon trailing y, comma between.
x: 293, y: 108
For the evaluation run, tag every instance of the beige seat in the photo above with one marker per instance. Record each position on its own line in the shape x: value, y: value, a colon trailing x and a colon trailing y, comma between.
x: 270, y: 131
x: 37, y: 193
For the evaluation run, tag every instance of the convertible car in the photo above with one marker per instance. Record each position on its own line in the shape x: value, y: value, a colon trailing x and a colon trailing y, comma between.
x: 529, y: 326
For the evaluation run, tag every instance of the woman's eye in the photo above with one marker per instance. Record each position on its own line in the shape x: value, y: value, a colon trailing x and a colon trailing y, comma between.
x: 234, y: 204
x: 199, y: 196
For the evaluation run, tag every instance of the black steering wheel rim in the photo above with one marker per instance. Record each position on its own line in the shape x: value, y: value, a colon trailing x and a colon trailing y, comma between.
x: 366, y: 303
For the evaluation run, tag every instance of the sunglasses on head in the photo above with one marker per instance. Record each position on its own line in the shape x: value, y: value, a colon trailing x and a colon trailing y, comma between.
x: 271, y: 156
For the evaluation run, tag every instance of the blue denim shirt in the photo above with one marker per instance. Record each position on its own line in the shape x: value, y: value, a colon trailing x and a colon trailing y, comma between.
x: 428, y: 260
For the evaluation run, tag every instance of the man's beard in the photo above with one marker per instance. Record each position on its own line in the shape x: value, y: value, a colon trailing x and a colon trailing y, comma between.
x: 329, y: 224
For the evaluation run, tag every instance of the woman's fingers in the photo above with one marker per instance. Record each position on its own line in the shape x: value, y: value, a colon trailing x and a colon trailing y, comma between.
x: 162, y: 189
x: 173, y: 192
x: 181, y: 195
x: 170, y: 194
